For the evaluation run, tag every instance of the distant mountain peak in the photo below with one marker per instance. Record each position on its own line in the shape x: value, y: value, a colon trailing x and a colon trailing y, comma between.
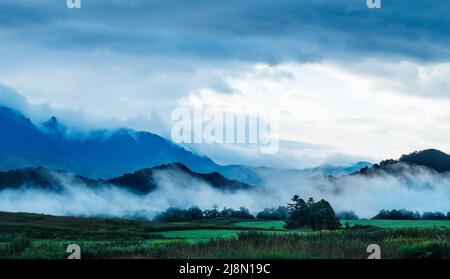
x: 52, y: 122
x: 145, y: 180
x: 53, y: 126
x: 176, y: 165
x: 432, y: 158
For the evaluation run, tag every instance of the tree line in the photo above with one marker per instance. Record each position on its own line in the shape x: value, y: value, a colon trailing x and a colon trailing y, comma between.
x: 403, y: 214
x: 298, y: 214
x: 195, y: 213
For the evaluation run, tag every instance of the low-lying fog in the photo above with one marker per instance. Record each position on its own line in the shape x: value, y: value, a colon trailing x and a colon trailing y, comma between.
x: 417, y: 189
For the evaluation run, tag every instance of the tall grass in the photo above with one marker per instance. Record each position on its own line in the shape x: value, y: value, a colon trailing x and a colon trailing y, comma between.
x: 13, y: 245
x: 395, y: 243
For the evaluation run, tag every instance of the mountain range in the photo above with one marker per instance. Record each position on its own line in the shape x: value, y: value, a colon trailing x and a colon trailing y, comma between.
x: 103, y: 154
x: 147, y: 180
x: 141, y: 182
x: 33, y: 151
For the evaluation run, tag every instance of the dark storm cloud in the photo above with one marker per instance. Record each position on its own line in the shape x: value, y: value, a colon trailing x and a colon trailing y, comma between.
x: 252, y: 30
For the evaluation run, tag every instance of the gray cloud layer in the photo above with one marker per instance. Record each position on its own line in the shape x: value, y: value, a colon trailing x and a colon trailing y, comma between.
x: 130, y: 62
x: 262, y: 30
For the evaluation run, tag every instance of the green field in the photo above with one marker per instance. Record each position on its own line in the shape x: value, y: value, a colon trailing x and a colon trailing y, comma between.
x: 41, y: 236
x: 399, y: 223
x: 194, y: 236
x: 377, y: 223
x: 273, y: 225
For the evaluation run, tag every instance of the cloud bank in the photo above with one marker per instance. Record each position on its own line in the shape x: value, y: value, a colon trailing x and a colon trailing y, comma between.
x: 254, y: 30
x: 366, y: 83
x: 418, y: 189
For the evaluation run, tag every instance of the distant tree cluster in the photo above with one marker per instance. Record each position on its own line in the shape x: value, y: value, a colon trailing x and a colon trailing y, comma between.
x: 280, y: 213
x: 195, y: 213
x: 347, y: 215
x: 311, y: 215
x: 435, y: 216
x: 403, y: 214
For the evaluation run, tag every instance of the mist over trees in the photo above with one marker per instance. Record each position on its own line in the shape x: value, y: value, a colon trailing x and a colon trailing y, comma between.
x: 195, y: 213
x: 403, y: 214
x: 347, y: 215
x: 280, y: 213
x: 298, y: 214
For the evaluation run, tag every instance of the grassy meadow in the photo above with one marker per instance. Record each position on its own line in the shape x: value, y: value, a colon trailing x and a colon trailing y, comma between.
x: 364, y: 222
x: 41, y: 236
x: 400, y: 223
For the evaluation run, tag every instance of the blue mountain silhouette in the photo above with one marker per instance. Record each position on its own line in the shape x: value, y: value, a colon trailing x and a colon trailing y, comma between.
x: 102, y: 154
x: 140, y: 182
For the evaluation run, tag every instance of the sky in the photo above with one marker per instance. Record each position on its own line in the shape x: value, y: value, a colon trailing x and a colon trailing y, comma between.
x: 349, y: 83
